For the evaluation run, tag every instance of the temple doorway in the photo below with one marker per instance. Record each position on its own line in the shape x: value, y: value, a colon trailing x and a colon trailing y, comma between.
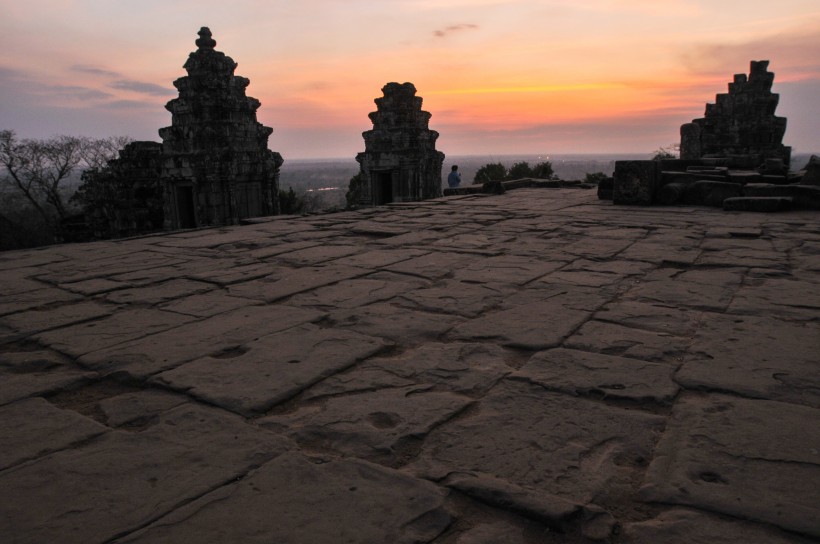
x: 384, y: 188
x: 185, y: 207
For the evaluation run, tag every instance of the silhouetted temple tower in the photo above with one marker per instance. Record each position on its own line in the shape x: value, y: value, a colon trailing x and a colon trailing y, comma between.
x: 741, y: 124
x: 216, y: 165
x: 400, y: 161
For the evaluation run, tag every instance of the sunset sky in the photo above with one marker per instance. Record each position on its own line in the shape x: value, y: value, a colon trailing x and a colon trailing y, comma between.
x: 498, y: 76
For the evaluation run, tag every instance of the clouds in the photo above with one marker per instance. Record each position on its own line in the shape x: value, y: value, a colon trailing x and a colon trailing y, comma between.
x: 446, y: 31
x: 142, y: 87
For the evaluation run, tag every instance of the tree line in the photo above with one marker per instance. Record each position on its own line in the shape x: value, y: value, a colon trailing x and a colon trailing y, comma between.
x: 35, y: 191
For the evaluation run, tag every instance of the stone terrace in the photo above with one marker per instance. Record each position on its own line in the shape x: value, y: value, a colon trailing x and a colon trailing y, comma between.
x: 538, y: 366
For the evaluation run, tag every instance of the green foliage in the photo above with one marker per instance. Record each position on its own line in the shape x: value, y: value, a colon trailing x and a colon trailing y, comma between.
x: 491, y: 172
x: 289, y: 203
x: 543, y: 170
x: 354, y: 191
x: 520, y: 170
x: 595, y: 177
x: 671, y: 151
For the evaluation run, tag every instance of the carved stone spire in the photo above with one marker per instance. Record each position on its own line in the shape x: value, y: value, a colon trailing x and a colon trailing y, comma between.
x: 205, y: 41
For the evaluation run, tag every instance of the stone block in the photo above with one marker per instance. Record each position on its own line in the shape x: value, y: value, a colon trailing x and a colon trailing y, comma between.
x: 671, y: 193
x: 690, y: 146
x: 744, y: 176
x: 812, y: 172
x: 605, y: 189
x: 757, y: 204
x: 635, y: 182
x: 711, y: 193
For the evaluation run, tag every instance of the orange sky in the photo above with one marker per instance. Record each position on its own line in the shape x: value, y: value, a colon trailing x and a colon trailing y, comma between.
x: 499, y: 76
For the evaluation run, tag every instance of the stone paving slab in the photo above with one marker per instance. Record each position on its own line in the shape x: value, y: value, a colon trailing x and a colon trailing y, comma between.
x: 533, y: 367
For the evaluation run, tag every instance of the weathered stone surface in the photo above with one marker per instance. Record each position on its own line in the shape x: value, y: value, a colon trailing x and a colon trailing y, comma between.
x: 300, y: 499
x: 466, y: 368
x: 550, y: 509
x: 591, y: 374
x: 492, y: 533
x: 138, y: 407
x: 697, y: 289
x: 35, y: 298
x: 397, y: 324
x: 359, y: 292
x: 674, y: 320
x: 671, y: 193
x: 455, y: 297
x: 433, y: 265
x: 34, y: 427
x: 122, y: 326
x: 369, y: 424
x: 155, y: 294
x: 214, y: 336
x: 510, y: 269
x: 262, y: 373
x: 683, y: 526
x: 207, y: 304
x: 711, y: 193
x: 635, y: 182
x: 545, y: 442
x: 612, y: 339
x: 751, y: 459
x: 29, y: 373
x: 752, y: 361
x: 538, y: 325
x: 294, y: 281
x: 757, y: 204
x: 189, y: 452
x: 55, y: 317
x: 780, y: 297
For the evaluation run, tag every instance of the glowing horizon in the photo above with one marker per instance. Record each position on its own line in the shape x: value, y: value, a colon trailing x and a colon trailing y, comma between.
x: 498, y: 76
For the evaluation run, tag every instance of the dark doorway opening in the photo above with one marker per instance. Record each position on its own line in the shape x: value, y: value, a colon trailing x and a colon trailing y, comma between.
x: 384, y: 188
x: 185, y: 207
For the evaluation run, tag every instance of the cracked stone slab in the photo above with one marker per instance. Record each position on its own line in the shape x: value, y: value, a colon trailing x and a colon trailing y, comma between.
x: 456, y: 297
x: 467, y: 368
x: 51, y: 318
x: 34, y: 427
x: 155, y: 294
x: 759, y: 357
x: 299, y: 499
x: 294, y: 281
x: 535, y: 439
x: 753, y: 459
x: 435, y: 265
x: 784, y: 298
x: 369, y: 423
x: 612, y: 339
x: 93, y: 286
x: 658, y: 252
x: 709, y: 289
x: 317, y: 254
x: 584, y: 373
x: 38, y: 298
x: 139, y: 406
x: 28, y: 373
x: 536, y: 326
x: 397, y: 324
x: 212, y: 336
x: 379, y: 258
x: 646, y: 316
x: 122, y: 481
x: 207, y: 304
x: 271, y: 369
x: 683, y: 526
x: 122, y: 326
x: 358, y: 292
x: 512, y: 269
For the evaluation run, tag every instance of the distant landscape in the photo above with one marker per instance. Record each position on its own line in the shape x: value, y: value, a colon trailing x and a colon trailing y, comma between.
x: 323, y: 182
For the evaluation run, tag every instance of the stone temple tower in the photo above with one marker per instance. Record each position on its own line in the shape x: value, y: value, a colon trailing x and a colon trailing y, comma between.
x: 741, y: 125
x: 216, y: 165
x: 400, y: 162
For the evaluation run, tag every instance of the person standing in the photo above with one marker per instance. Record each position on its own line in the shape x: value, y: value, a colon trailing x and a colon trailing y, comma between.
x: 454, y: 179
